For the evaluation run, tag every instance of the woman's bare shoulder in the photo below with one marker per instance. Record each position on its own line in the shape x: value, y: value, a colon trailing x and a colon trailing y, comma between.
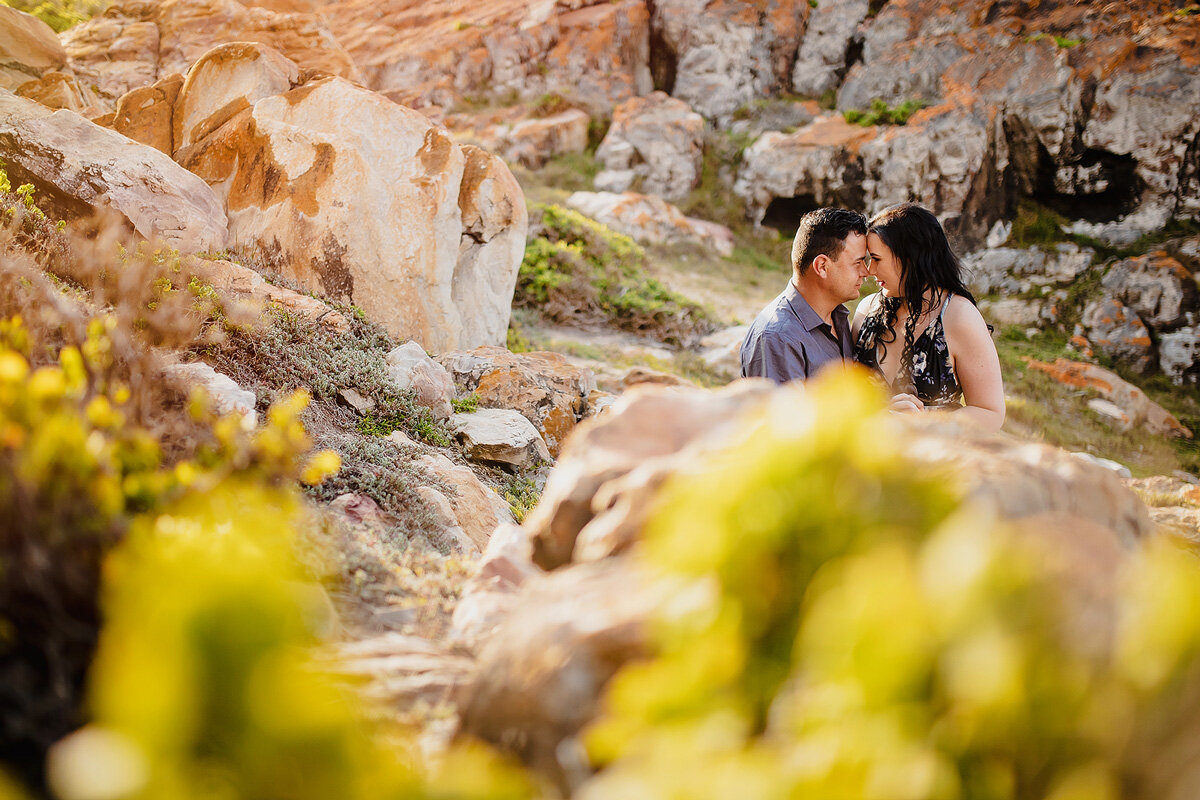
x: 867, y: 305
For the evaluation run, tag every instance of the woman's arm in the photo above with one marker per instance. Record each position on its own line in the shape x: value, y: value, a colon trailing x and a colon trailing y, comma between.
x: 975, y: 363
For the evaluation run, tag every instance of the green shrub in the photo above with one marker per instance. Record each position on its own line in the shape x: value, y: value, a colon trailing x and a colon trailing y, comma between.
x: 577, y: 270
x: 846, y: 627
x: 881, y: 113
x: 59, y: 14
x: 465, y: 405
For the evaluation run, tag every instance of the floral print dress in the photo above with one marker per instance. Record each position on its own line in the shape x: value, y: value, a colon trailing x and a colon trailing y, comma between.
x: 929, y: 374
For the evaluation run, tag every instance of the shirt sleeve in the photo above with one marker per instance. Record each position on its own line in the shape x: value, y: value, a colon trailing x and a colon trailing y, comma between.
x: 770, y: 356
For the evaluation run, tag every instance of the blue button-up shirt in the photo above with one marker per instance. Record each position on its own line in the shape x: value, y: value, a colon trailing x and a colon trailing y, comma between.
x: 789, y: 340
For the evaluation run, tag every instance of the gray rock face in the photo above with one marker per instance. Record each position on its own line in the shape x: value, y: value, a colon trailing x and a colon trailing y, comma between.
x: 729, y: 53
x: 821, y: 62
x: 657, y: 140
x: 1007, y: 270
x: 226, y: 396
x: 1179, y: 355
x: 1120, y: 333
x: 500, y: 436
x: 413, y: 370
x: 78, y: 167
x: 1160, y: 289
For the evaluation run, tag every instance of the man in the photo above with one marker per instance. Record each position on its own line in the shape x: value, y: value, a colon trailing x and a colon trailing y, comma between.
x: 807, y: 327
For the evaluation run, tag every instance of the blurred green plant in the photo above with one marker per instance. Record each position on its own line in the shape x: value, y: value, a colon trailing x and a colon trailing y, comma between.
x: 844, y: 627
x: 59, y: 14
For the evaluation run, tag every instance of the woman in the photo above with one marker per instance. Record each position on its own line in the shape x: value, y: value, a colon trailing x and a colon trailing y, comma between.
x: 921, y: 331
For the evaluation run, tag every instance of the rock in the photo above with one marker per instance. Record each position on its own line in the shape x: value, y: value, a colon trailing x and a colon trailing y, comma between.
x: 638, y: 375
x: 1012, y: 312
x: 223, y: 392
x: 651, y: 220
x: 1179, y: 355
x: 782, y: 114
x: 411, y: 369
x: 136, y: 42
x: 225, y: 81
x: 439, y: 53
x: 445, y: 526
x: 28, y: 48
x: 442, y: 227
x: 359, y: 509
x: 1160, y: 289
x: 403, y: 670
x: 491, y: 592
x: 543, y: 387
x: 57, y: 90
x: 655, y: 142
x: 478, y: 510
x: 533, y: 142
x: 542, y: 672
x: 1010, y: 270
x: 1142, y: 410
x: 728, y: 53
x: 500, y: 436
x: 819, y: 161
x: 721, y: 351
x: 1112, y: 412
x: 1114, y: 467
x: 1119, y: 333
x: 821, y: 62
x: 147, y: 115
x: 78, y: 167
x: 361, y: 405
x: 246, y: 286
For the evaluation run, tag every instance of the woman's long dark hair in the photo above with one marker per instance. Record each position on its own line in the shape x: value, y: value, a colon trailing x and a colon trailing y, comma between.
x: 917, y: 240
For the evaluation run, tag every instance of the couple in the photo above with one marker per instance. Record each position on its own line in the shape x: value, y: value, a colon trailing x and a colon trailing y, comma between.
x: 921, y: 332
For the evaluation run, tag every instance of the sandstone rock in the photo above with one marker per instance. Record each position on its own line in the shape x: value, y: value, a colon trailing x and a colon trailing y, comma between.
x: 225, y: 81
x: 28, y: 48
x: 223, y: 392
x: 147, y: 115
x: 542, y: 386
x: 500, y: 436
x: 352, y: 398
x: 477, y: 509
x: 543, y: 670
x: 1179, y: 355
x: 365, y: 201
x: 56, y: 90
x: 655, y: 141
x: 411, y: 369
x: 721, y: 351
x: 137, y: 42
x: 1116, y: 416
x: 444, y: 521
x: 492, y: 590
x: 1160, y: 289
x: 639, y: 375
x: 1132, y: 400
x: 77, y: 167
x: 821, y: 62
x: 439, y: 52
x: 533, y: 142
x: 651, y: 220
x: 404, y: 670
x: 729, y: 53
x: 1120, y: 333
x: 248, y: 287
x: 1012, y: 311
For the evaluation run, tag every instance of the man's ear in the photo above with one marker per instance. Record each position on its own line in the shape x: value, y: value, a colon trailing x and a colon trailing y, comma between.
x: 820, y: 265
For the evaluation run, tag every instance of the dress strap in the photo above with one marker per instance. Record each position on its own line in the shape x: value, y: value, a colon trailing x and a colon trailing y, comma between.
x: 945, y: 305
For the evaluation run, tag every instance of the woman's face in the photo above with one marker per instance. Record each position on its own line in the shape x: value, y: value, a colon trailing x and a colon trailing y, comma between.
x: 884, y: 266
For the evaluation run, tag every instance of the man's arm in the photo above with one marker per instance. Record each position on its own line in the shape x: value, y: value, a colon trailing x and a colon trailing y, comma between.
x: 770, y: 356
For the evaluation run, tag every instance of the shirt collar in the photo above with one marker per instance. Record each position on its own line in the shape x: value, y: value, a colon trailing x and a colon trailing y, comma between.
x: 810, y: 319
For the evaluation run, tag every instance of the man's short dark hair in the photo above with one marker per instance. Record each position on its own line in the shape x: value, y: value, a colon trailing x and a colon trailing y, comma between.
x: 824, y: 232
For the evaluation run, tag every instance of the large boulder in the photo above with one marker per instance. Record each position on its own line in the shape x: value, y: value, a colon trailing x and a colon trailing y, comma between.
x: 821, y: 63
x: 28, y: 48
x: 530, y: 141
x: 136, y: 42
x: 500, y: 437
x: 1119, y: 332
x: 441, y: 53
x: 147, y: 114
x: 358, y: 198
x: 656, y: 142
x: 725, y: 54
x: 78, y: 167
x: 1179, y: 355
x: 648, y: 219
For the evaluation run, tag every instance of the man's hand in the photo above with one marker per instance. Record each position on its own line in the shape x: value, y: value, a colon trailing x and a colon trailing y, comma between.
x: 907, y: 403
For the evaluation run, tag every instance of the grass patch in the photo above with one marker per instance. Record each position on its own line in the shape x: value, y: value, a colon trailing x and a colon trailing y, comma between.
x: 577, y: 271
x: 880, y: 113
x: 521, y: 493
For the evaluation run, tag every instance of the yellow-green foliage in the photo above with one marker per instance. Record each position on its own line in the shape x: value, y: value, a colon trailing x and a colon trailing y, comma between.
x: 846, y: 629
x: 577, y: 270
x: 205, y: 680
x: 880, y: 113
x: 59, y: 14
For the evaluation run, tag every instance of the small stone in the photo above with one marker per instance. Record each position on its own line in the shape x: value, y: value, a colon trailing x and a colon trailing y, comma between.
x: 356, y: 401
x: 500, y: 436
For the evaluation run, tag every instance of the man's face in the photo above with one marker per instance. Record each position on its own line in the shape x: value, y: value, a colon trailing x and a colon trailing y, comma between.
x: 845, y: 274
